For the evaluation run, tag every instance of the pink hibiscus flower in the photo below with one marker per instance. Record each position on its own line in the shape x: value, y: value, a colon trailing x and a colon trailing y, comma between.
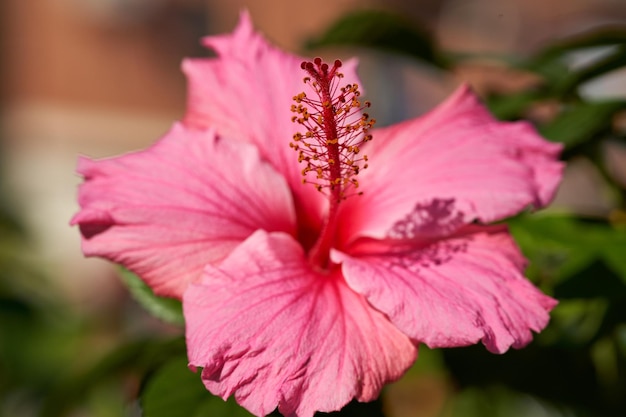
x: 305, y: 296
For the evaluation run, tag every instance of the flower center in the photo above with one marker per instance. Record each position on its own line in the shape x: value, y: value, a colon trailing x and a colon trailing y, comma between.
x: 335, y: 128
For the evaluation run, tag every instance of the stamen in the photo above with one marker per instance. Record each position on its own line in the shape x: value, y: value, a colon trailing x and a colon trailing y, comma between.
x: 330, y: 147
x: 335, y: 130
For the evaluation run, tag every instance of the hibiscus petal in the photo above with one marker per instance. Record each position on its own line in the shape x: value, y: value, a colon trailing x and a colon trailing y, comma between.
x: 187, y: 201
x: 451, y: 292
x: 268, y: 329
x: 246, y: 94
x: 458, y: 152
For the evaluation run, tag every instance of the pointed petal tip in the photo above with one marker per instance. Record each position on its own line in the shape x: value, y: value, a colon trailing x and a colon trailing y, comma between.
x: 244, y: 29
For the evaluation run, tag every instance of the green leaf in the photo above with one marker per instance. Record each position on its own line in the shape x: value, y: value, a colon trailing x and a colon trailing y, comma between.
x: 614, y: 254
x: 551, y: 69
x: 512, y: 106
x: 582, y: 122
x: 603, y: 36
x: 551, y: 245
x: 498, y: 401
x: 551, y: 62
x: 380, y: 30
x: 575, y: 322
x: 594, y: 281
x: 166, y: 309
x: 130, y: 358
x: 571, y: 80
x: 560, y: 247
x: 175, y: 391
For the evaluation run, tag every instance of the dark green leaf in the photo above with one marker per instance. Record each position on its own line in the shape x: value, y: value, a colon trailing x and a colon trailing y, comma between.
x: 380, y: 30
x: 552, y: 247
x: 551, y: 63
x: 615, y: 255
x: 582, y: 122
x: 357, y: 409
x: 559, y: 247
x: 175, y: 391
x: 497, y: 401
x: 594, y: 281
x: 575, y: 322
x: 166, y: 309
x: 604, y: 36
x: 132, y: 358
x: 553, y: 373
x: 512, y: 106
x: 571, y: 80
x: 551, y: 69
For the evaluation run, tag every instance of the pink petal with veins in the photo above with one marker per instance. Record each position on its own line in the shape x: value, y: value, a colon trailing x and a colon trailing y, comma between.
x: 458, y: 151
x: 272, y: 332
x: 187, y: 201
x: 451, y: 292
x: 216, y: 213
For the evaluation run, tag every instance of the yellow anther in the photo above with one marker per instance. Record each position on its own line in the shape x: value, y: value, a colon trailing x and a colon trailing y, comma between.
x: 329, y: 145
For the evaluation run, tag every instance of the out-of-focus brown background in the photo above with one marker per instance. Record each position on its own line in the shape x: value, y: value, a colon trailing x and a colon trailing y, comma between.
x: 100, y: 77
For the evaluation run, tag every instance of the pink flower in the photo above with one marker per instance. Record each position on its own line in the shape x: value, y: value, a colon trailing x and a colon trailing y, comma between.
x: 303, y: 299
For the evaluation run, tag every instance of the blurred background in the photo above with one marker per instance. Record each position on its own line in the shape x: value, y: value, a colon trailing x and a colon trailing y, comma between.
x: 102, y: 77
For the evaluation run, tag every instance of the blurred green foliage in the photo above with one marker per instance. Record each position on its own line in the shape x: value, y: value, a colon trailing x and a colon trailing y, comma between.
x: 173, y: 391
x: 166, y: 309
x: 53, y: 363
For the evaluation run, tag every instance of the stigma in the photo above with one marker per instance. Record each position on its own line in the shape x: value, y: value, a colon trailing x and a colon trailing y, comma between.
x: 334, y: 129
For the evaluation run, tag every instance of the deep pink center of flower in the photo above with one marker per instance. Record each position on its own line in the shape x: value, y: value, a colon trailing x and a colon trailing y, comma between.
x: 330, y: 146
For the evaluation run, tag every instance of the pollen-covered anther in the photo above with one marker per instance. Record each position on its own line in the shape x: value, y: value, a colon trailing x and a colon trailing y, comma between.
x: 335, y: 129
